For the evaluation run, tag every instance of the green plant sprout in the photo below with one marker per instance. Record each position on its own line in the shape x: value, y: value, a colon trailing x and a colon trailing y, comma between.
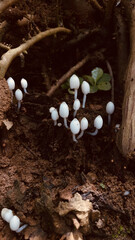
x: 98, y: 80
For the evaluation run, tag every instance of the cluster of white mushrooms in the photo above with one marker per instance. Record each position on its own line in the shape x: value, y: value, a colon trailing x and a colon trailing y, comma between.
x: 13, y: 220
x: 75, y: 125
x: 18, y: 92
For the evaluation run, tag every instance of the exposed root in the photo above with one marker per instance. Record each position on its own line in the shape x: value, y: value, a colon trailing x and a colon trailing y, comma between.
x: 5, y: 4
x: 67, y: 75
x: 9, y: 56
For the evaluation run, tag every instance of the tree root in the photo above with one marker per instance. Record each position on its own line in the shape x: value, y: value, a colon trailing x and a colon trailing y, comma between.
x: 126, y: 135
x: 67, y: 75
x: 5, y: 4
x: 9, y: 56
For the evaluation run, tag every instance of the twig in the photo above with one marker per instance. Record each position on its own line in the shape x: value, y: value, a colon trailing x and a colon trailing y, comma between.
x: 9, y: 56
x: 67, y: 75
x: 96, y: 5
x: 111, y: 74
x: 5, y: 4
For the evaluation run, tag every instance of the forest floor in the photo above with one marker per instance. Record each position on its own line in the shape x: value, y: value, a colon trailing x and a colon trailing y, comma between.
x: 43, y: 173
x: 39, y: 159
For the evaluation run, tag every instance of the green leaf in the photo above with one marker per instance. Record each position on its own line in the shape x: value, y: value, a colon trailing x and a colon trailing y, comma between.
x: 105, y: 78
x: 71, y: 91
x: 89, y: 79
x: 105, y: 86
x: 102, y: 185
x: 93, y: 89
x: 81, y: 80
x: 97, y: 74
x: 65, y: 85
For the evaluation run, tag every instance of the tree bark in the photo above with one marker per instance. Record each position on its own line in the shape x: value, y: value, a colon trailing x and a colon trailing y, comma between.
x: 126, y: 136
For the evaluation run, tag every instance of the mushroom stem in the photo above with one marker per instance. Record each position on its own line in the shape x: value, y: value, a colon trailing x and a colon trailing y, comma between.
x: 19, y: 105
x: 74, y: 138
x: 65, y: 122
x: 109, y: 119
x: 81, y: 134
x: 25, y: 91
x: 75, y: 96
x: 21, y: 228
x: 84, y: 101
x: 74, y: 114
x: 93, y: 133
x: 55, y: 122
x: 12, y: 95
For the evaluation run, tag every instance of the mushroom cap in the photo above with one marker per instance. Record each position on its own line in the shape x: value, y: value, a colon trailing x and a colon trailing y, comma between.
x: 54, y: 115
x: 84, y: 124
x: 24, y: 83
x: 74, y: 82
x: 76, y: 104
x: 98, y: 122
x: 11, y: 83
x: 75, y: 126
x: 14, y: 223
x: 85, y: 87
x: 64, y: 110
x: 3, y: 211
x: 18, y: 94
x: 6, y: 214
x: 51, y: 109
x: 110, y: 107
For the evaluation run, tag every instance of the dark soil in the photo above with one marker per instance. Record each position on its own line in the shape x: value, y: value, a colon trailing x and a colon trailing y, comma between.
x: 40, y: 165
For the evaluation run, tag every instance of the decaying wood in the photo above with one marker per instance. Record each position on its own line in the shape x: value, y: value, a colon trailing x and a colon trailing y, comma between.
x: 67, y: 75
x: 126, y: 136
x: 9, y: 56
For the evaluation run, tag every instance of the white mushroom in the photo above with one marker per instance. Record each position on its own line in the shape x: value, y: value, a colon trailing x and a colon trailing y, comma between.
x: 24, y: 85
x: 110, y: 110
x: 51, y: 109
x: 55, y: 116
x: 75, y: 128
x: 76, y: 106
x: 64, y: 112
x: 14, y: 223
x: 19, y: 97
x: 98, y: 123
x: 84, y: 126
x: 85, y: 89
x: 6, y: 214
x: 74, y: 84
x: 11, y: 85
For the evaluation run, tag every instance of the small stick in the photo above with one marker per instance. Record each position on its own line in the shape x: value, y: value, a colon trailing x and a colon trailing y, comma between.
x: 67, y: 75
x: 111, y: 74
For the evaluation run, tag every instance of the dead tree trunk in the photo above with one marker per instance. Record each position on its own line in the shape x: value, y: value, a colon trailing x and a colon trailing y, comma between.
x: 126, y: 136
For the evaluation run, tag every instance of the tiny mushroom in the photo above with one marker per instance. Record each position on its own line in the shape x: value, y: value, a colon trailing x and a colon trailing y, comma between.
x: 74, y: 84
x: 64, y: 112
x: 98, y: 123
x: 14, y: 223
x: 55, y: 116
x: 6, y: 214
x: 19, y: 97
x: 51, y: 109
x: 85, y: 89
x: 84, y: 126
x: 24, y: 85
x: 75, y: 128
x: 76, y: 106
x: 110, y: 110
x: 11, y: 85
